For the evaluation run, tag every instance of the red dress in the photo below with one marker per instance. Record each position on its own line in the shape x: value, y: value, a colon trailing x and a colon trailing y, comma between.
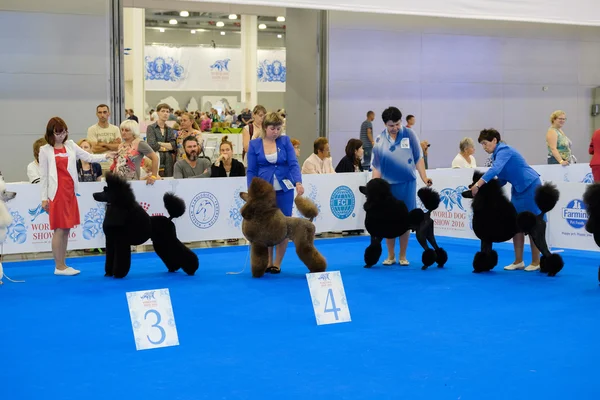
x: 64, y: 211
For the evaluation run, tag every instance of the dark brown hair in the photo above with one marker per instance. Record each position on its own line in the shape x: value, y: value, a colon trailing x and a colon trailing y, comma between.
x: 163, y: 105
x: 351, y: 147
x: 55, y: 124
x: 102, y: 105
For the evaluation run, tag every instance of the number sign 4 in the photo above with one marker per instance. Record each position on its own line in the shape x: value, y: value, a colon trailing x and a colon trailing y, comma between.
x: 328, y: 297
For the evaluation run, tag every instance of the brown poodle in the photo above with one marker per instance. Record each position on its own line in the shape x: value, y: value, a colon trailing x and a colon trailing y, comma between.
x: 265, y: 226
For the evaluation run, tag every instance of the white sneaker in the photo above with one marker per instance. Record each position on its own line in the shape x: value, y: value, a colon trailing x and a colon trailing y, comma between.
x: 67, y: 272
x: 532, y: 267
x: 513, y: 267
x: 389, y: 261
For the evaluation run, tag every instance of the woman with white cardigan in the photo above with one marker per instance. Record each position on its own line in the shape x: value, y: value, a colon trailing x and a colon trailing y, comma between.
x: 59, y: 183
x: 465, y: 158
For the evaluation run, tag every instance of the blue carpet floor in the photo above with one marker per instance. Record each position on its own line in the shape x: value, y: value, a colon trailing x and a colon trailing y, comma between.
x: 436, y: 334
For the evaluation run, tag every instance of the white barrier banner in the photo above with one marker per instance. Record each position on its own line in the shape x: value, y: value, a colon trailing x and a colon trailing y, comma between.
x: 213, y: 208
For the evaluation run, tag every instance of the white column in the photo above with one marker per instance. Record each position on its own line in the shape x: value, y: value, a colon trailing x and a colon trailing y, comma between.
x: 134, y: 39
x: 249, y: 60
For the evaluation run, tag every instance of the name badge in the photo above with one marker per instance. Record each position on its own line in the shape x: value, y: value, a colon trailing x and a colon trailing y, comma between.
x: 405, y: 143
x: 288, y: 184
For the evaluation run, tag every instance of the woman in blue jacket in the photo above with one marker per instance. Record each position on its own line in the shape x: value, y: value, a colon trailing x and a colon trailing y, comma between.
x: 510, y: 166
x: 272, y: 158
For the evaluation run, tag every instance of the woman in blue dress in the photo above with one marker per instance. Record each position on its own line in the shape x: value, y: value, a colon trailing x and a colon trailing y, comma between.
x: 272, y: 157
x: 510, y: 166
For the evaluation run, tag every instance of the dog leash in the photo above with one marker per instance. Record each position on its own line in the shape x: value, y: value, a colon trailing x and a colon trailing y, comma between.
x: 1, y: 259
x: 245, y: 263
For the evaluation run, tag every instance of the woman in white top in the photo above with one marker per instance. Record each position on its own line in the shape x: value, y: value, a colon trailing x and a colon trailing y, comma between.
x: 465, y: 158
x: 58, y: 184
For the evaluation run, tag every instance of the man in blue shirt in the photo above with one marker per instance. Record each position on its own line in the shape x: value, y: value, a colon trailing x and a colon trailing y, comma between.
x: 397, y: 156
x: 510, y: 166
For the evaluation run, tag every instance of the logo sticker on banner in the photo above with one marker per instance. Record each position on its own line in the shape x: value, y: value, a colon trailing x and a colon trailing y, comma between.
x: 575, y: 214
x: 588, y: 178
x: 453, y: 197
x: 152, y: 319
x: 204, y: 210
x: 342, y: 202
x: 163, y: 69
x: 219, y: 70
x: 328, y: 297
x: 36, y: 212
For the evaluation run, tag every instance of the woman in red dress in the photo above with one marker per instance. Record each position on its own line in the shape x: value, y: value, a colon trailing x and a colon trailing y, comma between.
x: 59, y: 183
x: 594, y: 150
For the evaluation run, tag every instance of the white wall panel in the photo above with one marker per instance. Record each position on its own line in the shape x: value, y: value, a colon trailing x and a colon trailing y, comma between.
x: 460, y: 106
x: 56, y: 62
x: 454, y: 58
x: 471, y: 75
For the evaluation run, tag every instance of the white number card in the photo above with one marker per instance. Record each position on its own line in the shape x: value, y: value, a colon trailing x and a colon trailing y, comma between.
x: 328, y: 297
x: 152, y: 319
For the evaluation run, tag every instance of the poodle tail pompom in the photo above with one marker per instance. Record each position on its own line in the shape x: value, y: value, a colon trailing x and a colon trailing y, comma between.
x: 546, y: 197
x: 591, y: 199
x: 175, y: 205
x: 307, y: 208
x: 415, y: 217
x: 429, y: 197
x: 526, y: 221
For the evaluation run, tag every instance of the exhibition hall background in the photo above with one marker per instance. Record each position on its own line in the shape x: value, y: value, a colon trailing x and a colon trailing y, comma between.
x: 456, y: 76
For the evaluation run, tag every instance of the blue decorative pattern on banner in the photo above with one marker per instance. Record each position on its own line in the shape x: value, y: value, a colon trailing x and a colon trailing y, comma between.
x: 271, y: 71
x: 92, y: 223
x: 17, y: 231
x: 163, y: 69
x: 235, y: 217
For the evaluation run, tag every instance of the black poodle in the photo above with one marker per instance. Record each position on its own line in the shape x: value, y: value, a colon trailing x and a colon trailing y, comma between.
x: 495, y: 220
x: 386, y: 217
x: 127, y: 224
x: 421, y: 223
x: 591, y: 199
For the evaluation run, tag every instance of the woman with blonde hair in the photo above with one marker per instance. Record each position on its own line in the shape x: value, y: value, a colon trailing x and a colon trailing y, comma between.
x: 254, y: 129
x: 225, y: 165
x: 188, y: 127
x: 272, y: 158
x: 465, y: 158
x: 559, y: 145
x: 131, y: 152
x: 88, y: 172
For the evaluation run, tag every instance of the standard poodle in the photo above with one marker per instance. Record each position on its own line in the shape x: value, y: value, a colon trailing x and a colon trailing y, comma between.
x: 264, y: 226
x: 127, y: 224
x: 591, y: 199
x: 386, y: 217
x: 495, y: 220
x: 423, y: 225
